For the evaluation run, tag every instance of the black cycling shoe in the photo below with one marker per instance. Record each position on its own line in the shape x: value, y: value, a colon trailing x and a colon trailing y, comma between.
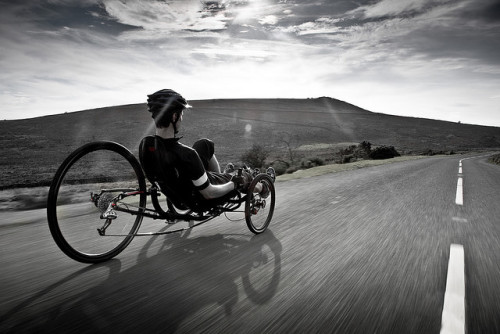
x: 229, y: 168
x: 272, y: 173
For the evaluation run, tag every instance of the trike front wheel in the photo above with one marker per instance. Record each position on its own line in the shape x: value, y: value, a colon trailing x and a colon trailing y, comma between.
x: 259, y: 210
x: 88, y: 188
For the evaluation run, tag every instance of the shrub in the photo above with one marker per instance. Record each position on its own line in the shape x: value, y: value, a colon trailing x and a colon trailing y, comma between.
x: 310, y: 163
x: 347, y: 158
x: 495, y: 159
x: 255, y: 156
x: 346, y: 154
x: 280, y: 167
x: 430, y: 152
x: 305, y: 164
x: 384, y: 152
x: 317, y: 161
x: 354, y: 152
x: 363, y: 150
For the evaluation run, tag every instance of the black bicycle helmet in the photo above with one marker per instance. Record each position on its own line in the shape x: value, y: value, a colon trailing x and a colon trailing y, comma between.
x: 165, y: 103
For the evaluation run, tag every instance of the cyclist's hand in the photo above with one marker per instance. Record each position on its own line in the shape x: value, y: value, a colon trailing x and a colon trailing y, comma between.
x: 239, y: 182
x: 242, y: 180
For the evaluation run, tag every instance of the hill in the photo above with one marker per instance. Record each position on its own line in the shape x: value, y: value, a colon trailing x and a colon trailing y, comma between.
x: 32, y: 149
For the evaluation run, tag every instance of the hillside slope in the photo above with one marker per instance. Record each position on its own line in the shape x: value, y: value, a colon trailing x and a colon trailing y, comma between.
x: 32, y: 149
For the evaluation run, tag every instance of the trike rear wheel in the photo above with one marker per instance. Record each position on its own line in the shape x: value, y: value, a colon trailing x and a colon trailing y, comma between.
x: 81, y: 194
x: 258, y: 210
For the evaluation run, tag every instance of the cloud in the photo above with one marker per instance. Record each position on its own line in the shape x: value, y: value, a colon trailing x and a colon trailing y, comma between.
x: 386, y: 8
x: 269, y: 19
x: 165, y: 16
x: 320, y: 26
x: 384, y: 56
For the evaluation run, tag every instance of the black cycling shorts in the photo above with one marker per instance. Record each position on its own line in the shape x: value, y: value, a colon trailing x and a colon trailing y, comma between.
x: 206, y: 150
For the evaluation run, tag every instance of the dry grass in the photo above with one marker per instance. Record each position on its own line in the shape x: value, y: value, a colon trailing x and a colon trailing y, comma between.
x: 324, y: 146
x: 335, y: 168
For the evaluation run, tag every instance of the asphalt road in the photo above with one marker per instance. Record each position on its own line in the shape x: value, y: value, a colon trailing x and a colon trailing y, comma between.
x: 362, y: 251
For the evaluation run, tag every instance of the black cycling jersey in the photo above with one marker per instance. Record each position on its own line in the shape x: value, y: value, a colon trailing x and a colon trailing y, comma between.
x: 192, y: 163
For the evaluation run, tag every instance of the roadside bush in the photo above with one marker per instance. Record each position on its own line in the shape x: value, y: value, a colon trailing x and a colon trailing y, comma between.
x: 292, y: 169
x: 280, y: 167
x: 347, y: 158
x: 384, y: 152
x: 363, y: 150
x: 430, y: 152
x: 317, y: 162
x: 346, y: 155
x: 255, y: 156
x: 310, y: 163
x: 354, y: 152
x: 495, y: 159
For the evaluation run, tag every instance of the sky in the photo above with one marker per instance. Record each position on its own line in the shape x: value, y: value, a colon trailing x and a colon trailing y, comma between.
x: 437, y: 59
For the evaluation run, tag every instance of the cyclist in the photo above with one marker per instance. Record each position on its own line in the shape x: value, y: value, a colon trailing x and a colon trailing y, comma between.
x: 197, y: 167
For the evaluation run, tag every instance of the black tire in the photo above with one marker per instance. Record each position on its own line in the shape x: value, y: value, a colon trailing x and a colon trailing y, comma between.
x: 259, y: 211
x: 74, y: 219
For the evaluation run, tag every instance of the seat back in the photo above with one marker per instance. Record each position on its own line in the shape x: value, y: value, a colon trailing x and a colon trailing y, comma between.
x: 159, y: 164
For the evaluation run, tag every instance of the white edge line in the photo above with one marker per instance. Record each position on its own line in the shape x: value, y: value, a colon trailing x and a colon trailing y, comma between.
x: 453, y: 317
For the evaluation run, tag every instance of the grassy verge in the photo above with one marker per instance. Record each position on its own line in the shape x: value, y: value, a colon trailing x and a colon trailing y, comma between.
x: 23, y: 198
x: 335, y: 168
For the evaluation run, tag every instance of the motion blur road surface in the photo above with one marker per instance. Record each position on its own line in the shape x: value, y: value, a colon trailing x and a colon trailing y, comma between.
x: 362, y: 251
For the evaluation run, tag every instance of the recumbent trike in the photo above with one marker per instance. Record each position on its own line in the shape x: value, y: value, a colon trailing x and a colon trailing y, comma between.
x: 98, y: 198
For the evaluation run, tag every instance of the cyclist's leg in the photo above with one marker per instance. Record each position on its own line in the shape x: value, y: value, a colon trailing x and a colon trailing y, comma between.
x: 218, y: 178
x: 206, y: 151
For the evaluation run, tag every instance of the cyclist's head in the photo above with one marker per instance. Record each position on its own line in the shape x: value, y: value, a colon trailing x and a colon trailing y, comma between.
x: 163, y: 104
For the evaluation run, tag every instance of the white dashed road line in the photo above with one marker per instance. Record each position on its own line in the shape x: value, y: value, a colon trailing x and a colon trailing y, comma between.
x: 453, y: 318
x: 459, y: 198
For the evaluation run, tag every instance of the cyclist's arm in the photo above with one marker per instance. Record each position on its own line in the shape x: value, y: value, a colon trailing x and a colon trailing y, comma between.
x: 217, y: 190
x: 211, y: 191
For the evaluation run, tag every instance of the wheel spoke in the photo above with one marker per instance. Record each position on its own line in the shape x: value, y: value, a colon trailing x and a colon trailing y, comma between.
x: 259, y: 211
x: 80, y: 199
